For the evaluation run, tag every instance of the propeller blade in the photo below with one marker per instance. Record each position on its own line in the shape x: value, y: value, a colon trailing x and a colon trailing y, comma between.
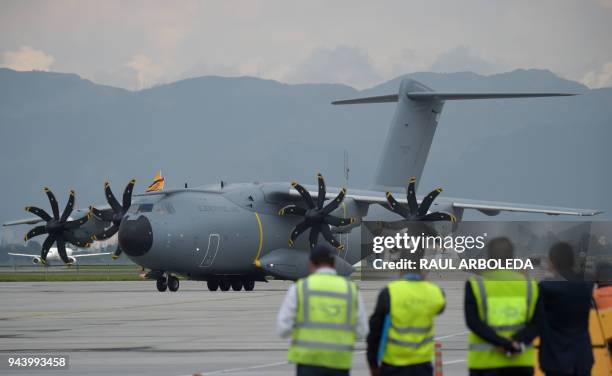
x: 105, y: 234
x: 117, y: 252
x: 127, y: 195
x: 427, y: 201
x: 72, y: 239
x: 53, y: 203
x: 411, y: 196
x: 331, y: 239
x: 68, y: 208
x: 104, y: 215
x: 305, y: 194
x: 292, y: 210
x: 297, y: 230
x: 313, y: 238
x: 44, y: 249
x: 439, y: 216
x: 61, y: 250
x: 396, y: 207
x: 77, y: 222
x: 38, y: 230
x: 322, y: 191
x: 335, y: 203
x: 110, y: 198
x: 337, y: 221
x: 38, y: 212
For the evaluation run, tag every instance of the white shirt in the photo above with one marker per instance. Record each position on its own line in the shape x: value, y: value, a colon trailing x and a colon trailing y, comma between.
x: 285, y: 320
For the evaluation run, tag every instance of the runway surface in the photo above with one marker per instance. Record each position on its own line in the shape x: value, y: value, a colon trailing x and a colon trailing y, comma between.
x: 130, y: 328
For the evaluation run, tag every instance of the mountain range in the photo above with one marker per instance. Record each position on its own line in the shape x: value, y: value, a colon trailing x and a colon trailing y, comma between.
x: 62, y: 131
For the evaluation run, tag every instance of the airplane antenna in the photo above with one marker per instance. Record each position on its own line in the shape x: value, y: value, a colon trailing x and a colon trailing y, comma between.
x: 346, y: 168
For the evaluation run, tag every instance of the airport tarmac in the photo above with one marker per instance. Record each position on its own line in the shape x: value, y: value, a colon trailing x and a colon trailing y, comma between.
x: 129, y: 328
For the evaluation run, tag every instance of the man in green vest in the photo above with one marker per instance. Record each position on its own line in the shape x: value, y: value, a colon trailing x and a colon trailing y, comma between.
x: 401, y: 338
x: 500, y: 310
x: 324, y: 314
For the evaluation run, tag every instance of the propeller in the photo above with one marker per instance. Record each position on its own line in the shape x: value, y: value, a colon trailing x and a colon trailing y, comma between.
x: 115, y: 214
x: 59, y: 229
x: 317, y: 217
x: 412, y: 211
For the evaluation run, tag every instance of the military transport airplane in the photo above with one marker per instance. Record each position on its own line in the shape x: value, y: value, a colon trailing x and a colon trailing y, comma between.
x: 232, y: 235
x: 53, y: 255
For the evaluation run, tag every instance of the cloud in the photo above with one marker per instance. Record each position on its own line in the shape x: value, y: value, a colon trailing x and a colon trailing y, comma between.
x: 605, y: 3
x: 147, y: 72
x: 27, y: 59
x: 342, y: 64
x: 601, y: 77
x: 462, y: 59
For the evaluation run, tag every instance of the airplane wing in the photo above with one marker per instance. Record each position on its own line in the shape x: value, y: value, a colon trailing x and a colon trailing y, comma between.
x: 486, y: 207
x: 91, y: 254
x: 22, y: 254
x: 489, y: 207
x: 493, y: 208
x: 26, y: 221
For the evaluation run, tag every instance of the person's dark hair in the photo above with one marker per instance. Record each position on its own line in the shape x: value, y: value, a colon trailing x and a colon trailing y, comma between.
x: 322, y: 254
x: 561, y: 257
x: 603, y: 273
x: 500, y: 248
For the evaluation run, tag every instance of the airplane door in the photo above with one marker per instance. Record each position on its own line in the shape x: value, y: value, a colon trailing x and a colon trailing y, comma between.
x: 204, y: 257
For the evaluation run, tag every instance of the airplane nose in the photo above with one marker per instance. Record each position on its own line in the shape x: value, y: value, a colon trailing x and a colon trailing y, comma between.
x: 135, y: 236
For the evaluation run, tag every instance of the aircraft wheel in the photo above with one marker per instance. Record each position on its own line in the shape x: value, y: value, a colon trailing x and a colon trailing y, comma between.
x: 213, y: 284
x: 248, y: 284
x: 162, y: 284
x: 224, y: 284
x: 236, y: 284
x: 173, y: 283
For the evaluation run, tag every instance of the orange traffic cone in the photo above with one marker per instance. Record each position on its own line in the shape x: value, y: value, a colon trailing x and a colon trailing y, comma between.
x: 438, y: 371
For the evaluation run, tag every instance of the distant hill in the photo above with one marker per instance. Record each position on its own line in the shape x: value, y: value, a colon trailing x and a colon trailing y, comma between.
x: 66, y: 132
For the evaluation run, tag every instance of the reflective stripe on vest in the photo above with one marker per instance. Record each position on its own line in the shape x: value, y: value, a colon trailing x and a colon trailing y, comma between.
x: 508, y: 294
x: 324, y: 331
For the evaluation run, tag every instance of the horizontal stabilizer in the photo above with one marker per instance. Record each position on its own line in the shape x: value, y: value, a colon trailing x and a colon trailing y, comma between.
x: 444, y: 96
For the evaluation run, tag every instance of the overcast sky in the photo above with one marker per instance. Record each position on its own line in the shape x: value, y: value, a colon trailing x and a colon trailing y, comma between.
x: 136, y: 44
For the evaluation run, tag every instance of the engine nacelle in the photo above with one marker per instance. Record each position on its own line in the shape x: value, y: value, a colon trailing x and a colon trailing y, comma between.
x: 292, y: 264
x: 72, y: 260
x: 35, y: 260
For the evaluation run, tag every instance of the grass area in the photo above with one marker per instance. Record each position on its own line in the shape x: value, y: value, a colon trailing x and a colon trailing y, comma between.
x: 62, y: 274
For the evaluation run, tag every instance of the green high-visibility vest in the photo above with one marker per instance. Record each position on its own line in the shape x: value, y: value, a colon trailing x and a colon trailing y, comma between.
x: 506, y: 302
x: 324, y: 332
x: 414, y: 306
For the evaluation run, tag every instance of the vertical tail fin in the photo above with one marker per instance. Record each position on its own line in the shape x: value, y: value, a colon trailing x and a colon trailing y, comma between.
x: 413, y: 127
x: 158, y: 183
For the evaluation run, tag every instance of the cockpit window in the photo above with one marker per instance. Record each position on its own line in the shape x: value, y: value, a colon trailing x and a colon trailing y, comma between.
x: 145, y: 208
x: 164, y: 208
x: 159, y: 207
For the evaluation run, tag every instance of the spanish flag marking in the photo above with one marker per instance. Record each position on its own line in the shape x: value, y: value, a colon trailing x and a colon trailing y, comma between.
x: 158, y: 183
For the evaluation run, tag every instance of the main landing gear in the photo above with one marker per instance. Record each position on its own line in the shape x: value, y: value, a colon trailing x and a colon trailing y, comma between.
x: 235, y: 283
x: 167, y: 282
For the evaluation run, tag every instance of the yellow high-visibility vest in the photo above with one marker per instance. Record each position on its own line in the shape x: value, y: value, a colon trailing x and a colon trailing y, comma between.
x: 324, y: 333
x: 414, y: 306
x: 506, y: 302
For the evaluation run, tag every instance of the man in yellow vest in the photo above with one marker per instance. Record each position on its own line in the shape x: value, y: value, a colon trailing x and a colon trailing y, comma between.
x: 324, y: 314
x: 500, y: 310
x: 401, y: 338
